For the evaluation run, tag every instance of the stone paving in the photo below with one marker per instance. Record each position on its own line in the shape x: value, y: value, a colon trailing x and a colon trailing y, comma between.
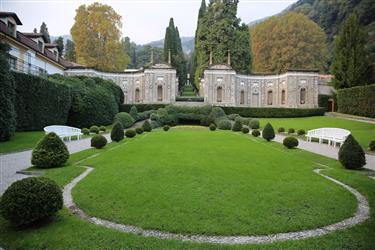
x: 361, y: 215
x: 326, y: 150
x: 10, y: 164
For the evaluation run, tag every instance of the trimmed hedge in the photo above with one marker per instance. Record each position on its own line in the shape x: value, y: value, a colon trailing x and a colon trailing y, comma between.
x: 117, y: 133
x: 7, y: 96
x: 290, y: 142
x: 41, y: 102
x: 126, y: 120
x: 30, y: 200
x: 351, y: 154
x: 98, y: 141
x: 130, y: 133
x: 94, y: 100
x: 323, y: 101
x: 141, y: 107
x: 357, y: 101
x: 273, y: 112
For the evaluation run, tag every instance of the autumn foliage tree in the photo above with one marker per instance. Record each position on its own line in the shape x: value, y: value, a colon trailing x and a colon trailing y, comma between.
x: 288, y: 41
x: 96, y: 35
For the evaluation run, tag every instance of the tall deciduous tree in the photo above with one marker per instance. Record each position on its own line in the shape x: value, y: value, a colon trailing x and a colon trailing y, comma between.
x: 96, y: 34
x: 172, y: 44
x: 70, y: 51
x: 44, y: 31
x: 60, y: 44
x: 351, y: 61
x: 288, y: 41
x: 219, y: 31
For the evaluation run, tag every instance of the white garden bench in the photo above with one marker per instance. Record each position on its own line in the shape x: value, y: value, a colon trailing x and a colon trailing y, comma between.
x: 64, y: 131
x: 332, y: 135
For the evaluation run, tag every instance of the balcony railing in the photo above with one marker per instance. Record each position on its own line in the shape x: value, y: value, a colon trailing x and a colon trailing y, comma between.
x: 22, y: 66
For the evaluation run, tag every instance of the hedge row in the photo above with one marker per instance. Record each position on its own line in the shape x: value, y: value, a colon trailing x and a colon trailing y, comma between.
x: 357, y: 100
x: 273, y: 112
x: 40, y: 102
x: 141, y: 107
x: 323, y: 101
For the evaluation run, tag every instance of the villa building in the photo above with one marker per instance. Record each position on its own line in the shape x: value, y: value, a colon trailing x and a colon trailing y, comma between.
x: 221, y: 85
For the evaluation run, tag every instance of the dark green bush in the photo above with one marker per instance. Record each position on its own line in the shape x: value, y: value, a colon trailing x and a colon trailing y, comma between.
x: 351, y: 154
x: 291, y: 131
x: 357, y: 100
x: 94, y: 129
x: 139, y: 130
x: 216, y: 113
x: 323, y: 101
x: 7, y: 96
x: 94, y: 100
x: 281, y: 130
x: 102, y: 128
x: 41, y: 102
x: 126, y: 120
x: 290, y: 142
x: 254, y: 124
x: 212, y: 127
x: 147, y: 126
x: 30, y: 200
x: 301, y: 132
x: 155, y: 124
x: 141, y: 107
x: 245, y: 130
x: 50, y: 152
x: 133, y: 112
x: 224, y: 124
x: 237, y: 126
x: 372, y: 145
x: 166, y: 127
x: 268, y: 133
x: 98, y: 141
x: 85, y: 131
x: 255, y: 132
x: 117, y: 133
x: 130, y: 133
x: 154, y: 117
x: 273, y: 112
x: 233, y: 116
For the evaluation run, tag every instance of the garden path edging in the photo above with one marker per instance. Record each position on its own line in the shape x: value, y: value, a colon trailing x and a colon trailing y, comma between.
x: 361, y: 215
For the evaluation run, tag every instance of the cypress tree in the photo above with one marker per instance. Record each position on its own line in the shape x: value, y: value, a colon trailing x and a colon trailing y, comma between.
x: 7, y: 96
x: 351, y: 62
x: 44, y: 31
x: 351, y: 154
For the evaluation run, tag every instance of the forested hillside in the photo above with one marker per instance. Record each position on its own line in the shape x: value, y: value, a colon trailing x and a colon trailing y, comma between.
x: 331, y: 14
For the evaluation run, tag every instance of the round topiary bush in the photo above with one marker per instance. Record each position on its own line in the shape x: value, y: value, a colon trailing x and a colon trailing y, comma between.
x: 301, y: 132
x: 254, y: 124
x: 351, y: 154
x: 30, y: 200
x: 233, y: 116
x: 268, y: 133
x: 139, y: 130
x: 166, y: 128
x: 224, y: 124
x: 117, y: 133
x: 94, y: 129
x: 133, y: 112
x: 245, y: 130
x: 130, y: 133
x: 147, y: 126
x: 281, y: 130
x: 372, y: 146
x: 290, y: 142
x: 255, y: 133
x: 98, y: 141
x: 126, y: 119
x: 85, y: 131
x: 291, y: 131
x: 50, y: 152
x: 237, y: 126
x: 212, y: 127
x: 102, y: 128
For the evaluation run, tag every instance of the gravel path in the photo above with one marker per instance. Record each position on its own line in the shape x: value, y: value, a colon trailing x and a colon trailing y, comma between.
x: 326, y: 150
x: 362, y: 214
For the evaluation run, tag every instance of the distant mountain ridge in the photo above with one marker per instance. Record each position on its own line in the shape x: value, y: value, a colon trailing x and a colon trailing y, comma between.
x: 187, y: 43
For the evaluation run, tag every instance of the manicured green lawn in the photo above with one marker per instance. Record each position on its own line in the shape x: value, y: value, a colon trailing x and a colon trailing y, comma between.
x: 21, y: 141
x: 363, y: 132
x: 66, y: 231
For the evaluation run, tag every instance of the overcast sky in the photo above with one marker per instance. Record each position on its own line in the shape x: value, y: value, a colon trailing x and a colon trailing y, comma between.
x: 143, y: 20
